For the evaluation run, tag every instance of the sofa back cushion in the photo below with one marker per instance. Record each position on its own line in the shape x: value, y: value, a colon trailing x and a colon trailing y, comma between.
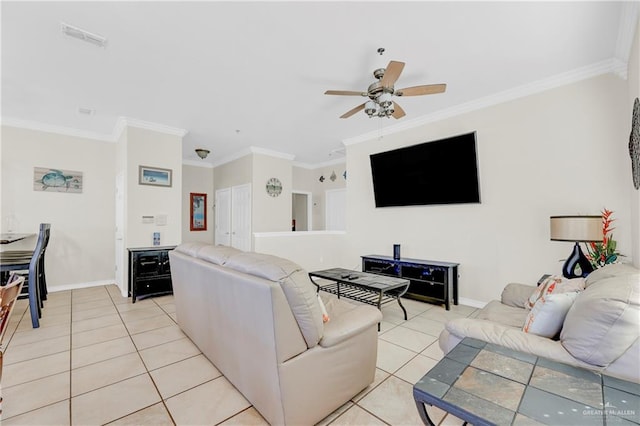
x: 217, y: 254
x: 191, y: 249
x: 604, y: 320
x: 608, y: 271
x: 296, y: 284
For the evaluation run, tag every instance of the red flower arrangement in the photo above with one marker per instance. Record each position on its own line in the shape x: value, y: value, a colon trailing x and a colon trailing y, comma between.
x: 602, y: 253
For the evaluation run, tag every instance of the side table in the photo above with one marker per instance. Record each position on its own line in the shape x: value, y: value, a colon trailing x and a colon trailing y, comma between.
x: 486, y: 384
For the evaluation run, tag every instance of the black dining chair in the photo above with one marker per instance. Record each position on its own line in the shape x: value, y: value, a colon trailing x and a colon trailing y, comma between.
x: 33, y: 263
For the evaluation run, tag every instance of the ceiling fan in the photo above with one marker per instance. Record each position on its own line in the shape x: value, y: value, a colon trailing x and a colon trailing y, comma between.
x: 381, y: 92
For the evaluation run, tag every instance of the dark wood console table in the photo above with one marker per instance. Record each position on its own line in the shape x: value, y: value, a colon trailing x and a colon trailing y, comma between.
x: 430, y: 281
x: 149, y: 272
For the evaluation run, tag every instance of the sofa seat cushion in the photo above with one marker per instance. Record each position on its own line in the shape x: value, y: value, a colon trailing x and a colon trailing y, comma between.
x: 602, y: 324
x: 296, y: 284
x: 347, y: 320
x: 503, y: 314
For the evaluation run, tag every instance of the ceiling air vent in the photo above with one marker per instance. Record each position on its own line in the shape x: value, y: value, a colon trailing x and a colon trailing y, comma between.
x: 84, y: 35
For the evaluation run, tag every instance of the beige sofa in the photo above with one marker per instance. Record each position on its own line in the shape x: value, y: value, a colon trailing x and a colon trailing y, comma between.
x: 257, y: 318
x: 600, y: 331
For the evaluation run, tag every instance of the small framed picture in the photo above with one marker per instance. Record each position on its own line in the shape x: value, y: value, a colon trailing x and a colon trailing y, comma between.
x: 154, y: 176
x: 198, y: 212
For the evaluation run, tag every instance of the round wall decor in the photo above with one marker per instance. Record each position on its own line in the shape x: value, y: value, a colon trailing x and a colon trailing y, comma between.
x: 274, y: 187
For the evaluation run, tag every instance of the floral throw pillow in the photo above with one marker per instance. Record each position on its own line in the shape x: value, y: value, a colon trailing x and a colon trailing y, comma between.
x: 323, y: 309
x: 545, y: 287
x: 555, y: 284
x: 548, y: 314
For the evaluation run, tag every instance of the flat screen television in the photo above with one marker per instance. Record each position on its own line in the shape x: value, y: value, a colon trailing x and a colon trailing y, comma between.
x: 444, y: 171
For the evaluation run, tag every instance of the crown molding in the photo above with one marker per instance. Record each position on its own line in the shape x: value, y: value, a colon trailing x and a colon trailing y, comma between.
x: 629, y: 14
x: 49, y: 128
x: 124, y: 122
x: 252, y: 150
x: 271, y: 153
x: 196, y: 163
x: 558, y: 80
x: 319, y: 165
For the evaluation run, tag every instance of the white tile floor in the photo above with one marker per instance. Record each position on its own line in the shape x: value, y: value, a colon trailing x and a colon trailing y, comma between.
x: 99, y: 359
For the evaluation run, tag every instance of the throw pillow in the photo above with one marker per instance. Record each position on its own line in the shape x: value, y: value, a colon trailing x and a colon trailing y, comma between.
x: 555, y: 284
x: 569, y: 285
x: 323, y: 309
x: 548, y: 314
x: 545, y: 287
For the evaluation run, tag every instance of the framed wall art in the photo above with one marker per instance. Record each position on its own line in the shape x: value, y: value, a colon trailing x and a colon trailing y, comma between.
x: 57, y: 180
x: 154, y: 176
x: 198, y: 212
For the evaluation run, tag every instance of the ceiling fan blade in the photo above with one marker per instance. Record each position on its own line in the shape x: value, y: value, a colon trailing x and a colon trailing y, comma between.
x: 427, y: 89
x: 344, y: 93
x: 352, y: 111
x: 398, y: 112
x: 391, y: 73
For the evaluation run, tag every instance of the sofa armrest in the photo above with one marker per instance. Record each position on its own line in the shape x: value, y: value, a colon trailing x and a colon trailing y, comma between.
x: 517, y: 295
x: 348, y: 323
x: 509, y: 337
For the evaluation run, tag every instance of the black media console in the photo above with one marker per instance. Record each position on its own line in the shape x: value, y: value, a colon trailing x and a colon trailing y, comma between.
x: 430, y: 281
x: 149, y: 272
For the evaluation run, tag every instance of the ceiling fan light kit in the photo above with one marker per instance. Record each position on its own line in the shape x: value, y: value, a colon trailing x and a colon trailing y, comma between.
x: 381, y: 92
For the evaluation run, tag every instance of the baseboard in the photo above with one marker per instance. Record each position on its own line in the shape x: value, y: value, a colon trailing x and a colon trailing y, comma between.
x: 79, y: 286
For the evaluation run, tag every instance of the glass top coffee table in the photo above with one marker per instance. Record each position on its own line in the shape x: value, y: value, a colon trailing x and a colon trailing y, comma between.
x: 364, y: 287
x: 486, y: 384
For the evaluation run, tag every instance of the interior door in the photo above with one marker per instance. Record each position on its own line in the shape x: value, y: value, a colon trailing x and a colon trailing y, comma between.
x: 241, y: 217
x: 223, y: 217
x: 336, y: 209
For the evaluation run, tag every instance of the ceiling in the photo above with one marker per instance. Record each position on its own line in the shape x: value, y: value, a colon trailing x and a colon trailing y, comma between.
x: 237, y: 75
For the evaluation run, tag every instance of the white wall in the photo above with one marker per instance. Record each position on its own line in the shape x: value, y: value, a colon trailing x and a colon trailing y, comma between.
x: 309, y: 180
x: 311, y: 250
x: 81, y: 248
x: 271, y: 214
x: 198, y: 180
x: 562, y: 151
x: 154, y: 149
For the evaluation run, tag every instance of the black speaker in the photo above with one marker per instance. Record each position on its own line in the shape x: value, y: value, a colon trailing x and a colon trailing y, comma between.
x: 396, y: 251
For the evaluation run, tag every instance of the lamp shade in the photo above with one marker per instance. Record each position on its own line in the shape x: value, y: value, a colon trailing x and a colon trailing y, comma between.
x: 576, y: 228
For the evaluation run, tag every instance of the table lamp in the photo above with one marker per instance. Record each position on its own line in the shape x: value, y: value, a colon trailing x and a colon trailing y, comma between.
x: 576, y: 229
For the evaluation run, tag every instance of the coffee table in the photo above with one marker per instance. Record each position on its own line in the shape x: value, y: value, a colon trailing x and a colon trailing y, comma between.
x: 486, y: 384
x: 364, y: 287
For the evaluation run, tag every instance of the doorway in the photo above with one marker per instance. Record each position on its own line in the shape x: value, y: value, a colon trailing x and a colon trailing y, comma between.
x: 301, y: 211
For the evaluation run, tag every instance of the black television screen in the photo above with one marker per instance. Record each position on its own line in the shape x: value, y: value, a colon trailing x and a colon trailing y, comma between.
x: 444, y: 171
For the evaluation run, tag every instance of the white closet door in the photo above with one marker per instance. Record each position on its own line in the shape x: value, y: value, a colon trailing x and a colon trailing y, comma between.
x: 336, y: 209
x: 223, y: 217
x: 241, y: 217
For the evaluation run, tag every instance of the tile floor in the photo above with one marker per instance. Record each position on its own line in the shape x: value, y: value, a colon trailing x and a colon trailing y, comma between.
x: 99, y: 359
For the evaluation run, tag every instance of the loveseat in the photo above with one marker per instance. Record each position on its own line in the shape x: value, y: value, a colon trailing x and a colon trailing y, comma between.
x: 599, y: 326
x: 259, y: 320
